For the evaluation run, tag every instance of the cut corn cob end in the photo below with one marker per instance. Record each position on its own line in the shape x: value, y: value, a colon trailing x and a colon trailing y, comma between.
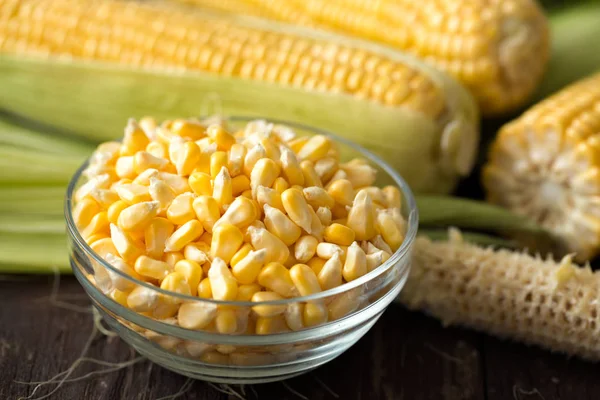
x: 545, y: 166
x: 512, y: 295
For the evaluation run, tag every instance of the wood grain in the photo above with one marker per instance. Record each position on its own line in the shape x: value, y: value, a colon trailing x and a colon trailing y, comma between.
x: 406, y: 356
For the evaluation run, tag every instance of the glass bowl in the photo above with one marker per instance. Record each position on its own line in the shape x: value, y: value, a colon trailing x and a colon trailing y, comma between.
x: 351, y: 309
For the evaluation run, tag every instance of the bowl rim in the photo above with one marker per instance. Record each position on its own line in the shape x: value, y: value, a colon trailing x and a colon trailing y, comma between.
x: 400, y: 253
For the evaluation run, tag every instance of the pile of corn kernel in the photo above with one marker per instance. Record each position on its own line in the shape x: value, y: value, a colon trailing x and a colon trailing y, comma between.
x: 256, y: 214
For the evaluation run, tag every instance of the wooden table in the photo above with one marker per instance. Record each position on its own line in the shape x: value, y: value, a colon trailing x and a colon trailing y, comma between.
x: 406, y: 356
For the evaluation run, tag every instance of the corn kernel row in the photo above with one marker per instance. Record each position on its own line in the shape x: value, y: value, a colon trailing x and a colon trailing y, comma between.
x: 256, y: 214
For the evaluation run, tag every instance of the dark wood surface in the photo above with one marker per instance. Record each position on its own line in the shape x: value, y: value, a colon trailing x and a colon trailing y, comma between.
x: 406, y: 356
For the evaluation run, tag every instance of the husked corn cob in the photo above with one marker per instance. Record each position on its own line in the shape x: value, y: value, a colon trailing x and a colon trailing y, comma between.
x: 499, y: 49
x: 386, y: 100
x: 545, y: 165
x: 512, y: 295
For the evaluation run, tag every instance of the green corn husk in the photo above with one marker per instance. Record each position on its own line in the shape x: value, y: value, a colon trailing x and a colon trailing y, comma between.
x: 33, y: 253
x: 575, y: 47
x: 25, y: 166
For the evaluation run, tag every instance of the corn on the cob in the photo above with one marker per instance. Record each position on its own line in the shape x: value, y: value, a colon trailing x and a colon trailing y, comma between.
x: 498, y: 49
x: 419, y: 119
x: 545, y: 165
x: 512, y: 295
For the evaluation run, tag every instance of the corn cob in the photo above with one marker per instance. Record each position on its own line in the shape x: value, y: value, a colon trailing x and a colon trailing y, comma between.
x: 545, y: 165
x: 498, y: 49
x: 420, y: 120
x: 511, y: 295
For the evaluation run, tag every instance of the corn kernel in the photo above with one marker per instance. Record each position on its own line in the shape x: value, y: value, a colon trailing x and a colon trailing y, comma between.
x: 223, y: 284
x: 173, y: 257
x: 271, y: 325
x: 142, y: 299
x: 269, y: 196
x: 192, y: 273
x: 305, y: 248
x: 246, y: 270
x: 134, y: 139
x: 103, y: 247
x: 325, y: 168
x: 181, y: 210
x: 118, y: 281
x: 214, y: 357
x: 314, y: 314
x: 187, y: 129
x: 98, y: 225
x: 125, y: 245
x: 218, y: 160
x: 275, y: 277
x: 236, y: 159
x: 304, y: 279
x: 226, y: 241
x: 161, y: 192
x: 245, y: 292
x: 178, y: 184
x: 240, y: 184
x: 226, y: 321
x: 144, y: 177
x: 114, y: 210
x: 316, y: 264
x: 339, y: 234
x: 297, y: 143
x: 361, y: 217
x: 156, y: 234
x: 222, y: 189
x: 311, y: 179
x: 84, y: 211
x: 374, y: 260
x: 281, y: 226
x: 330, y: 274
x: 355, y: 265
x: 260, y: 238
x: 152, y: 268
x: 359, y: 175
x: 132, y: 193
x: 204, y: 289
x: 377, y: 243
x: 389, y: 230
x: 264, y: 173
x: 98, y: 182
x: 158, y: 150
x: 196, y: 315
x: 294, y: 316
x: 138, y: 216
x: 297, y: 208
x: 240, y: 213
x: 240, y: 254
x: 175, y: 282
x: 200, y: 183
x: 291, y: 167
x: 185, y: 234
x: 318, y: 197
x: 193, y: 252
x: 143, y: 160
x: 315, y: 148
x: 344, y: 304
x: 125, y: 167
x: 220, y: 136
x: 252, y: 156
x: 327, y: 250
x: 104, y: 197
x: 342, y: 192
x: 247, y: 194
x: 267, y: 310
x: 119, y: 296
x: 280, y: 185
x: 184, y: 156
x: 324, y: 215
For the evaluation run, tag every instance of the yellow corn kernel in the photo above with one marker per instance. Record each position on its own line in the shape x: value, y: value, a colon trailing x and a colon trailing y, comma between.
x: 247, y: 194
x: 185, y: 234
x: 314, y: 314
x: 240, y: 254
x: 184, y: 156
x: 134, y: 139
x: 103, y: 247
x: 204, y: 289
x: 114, y: 210
x: 247, y: 269
x: 144, y: 177
x: 226, y: 241
x: 281, y: 226
x: 152, y: 268
x: 324, y: 215
x: 315, y: 148
x: 297, y: 143
x: 325, y: 168
x: 291, y: 167
x: 226, y: 321
x: 94, y: 238
x: 342, y: 192
x: 271, y: 148
x: 304, y: 279
x: 196, y: 315
x: 236, y: 159
x: 180, y: 210
x: 327, y: 250
x: 388, y: 229
x: 269, y: 196
x: 245, y: 292
x: 376, y: 195
x: 222, y: 189
x: 316, y: 264
x: 155, y: 236
x: 133, y: 193
x: 173, y: 257
x: 119, y: 296
x: 344, y: 304
x: 355, y: 265
x: 161, y: 192
x: 178, y: 184
x: 220, y: 136
x: 143, y: 160
x: 104, y: 197
x: 128, y: 248
x: 280, y: 185
x: 138, y: 216
x: 293, y: 316
x: 241, y: 213
x: 270, y: 325
x: 125, y: 167
x: 305, y: 248
x: 175, y: 282
x: 222, y: 283
x: 218, y: 160
x: 264, y: 173
x: 310, y: 175
x: 99, y: 224
x: 193, y: 252
x: 374, y: 260
x: 191, y: 271
x: 330, y: 275
x: 252, y: 156
x: 260, y: 238
x: 318, y: 197
x: 267, y: 310
x: 339, y: 234
x: 297, y: 208
x: 361, y: 217
x: 102, y: 181
x: 359, y: 175
x: 84, y: 211
x: 187, y: 129
x: 275, y: 277
x: 158, y: 150
x: 142, y: 299
x: 214, y: 357
x: 200, y: 183
x: 207, y: 211
x: 377, y: 243
x: 239, y: 184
